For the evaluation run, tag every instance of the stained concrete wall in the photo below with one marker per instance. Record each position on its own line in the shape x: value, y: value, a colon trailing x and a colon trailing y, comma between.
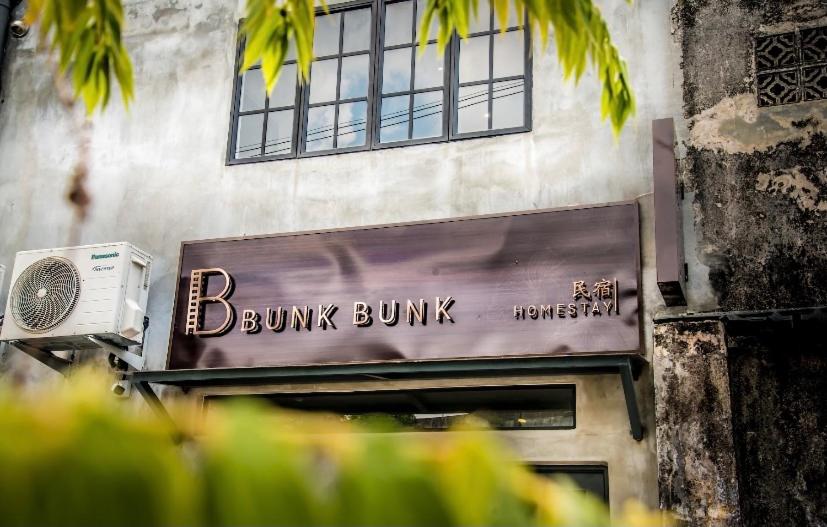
x: 756, y: 177
x: 159, y: 177
x: 696, y: 461
x: 737, y: 442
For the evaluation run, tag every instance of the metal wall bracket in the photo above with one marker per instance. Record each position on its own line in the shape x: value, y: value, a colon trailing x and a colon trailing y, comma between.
x: 132, y: 358
x: 46, y: 357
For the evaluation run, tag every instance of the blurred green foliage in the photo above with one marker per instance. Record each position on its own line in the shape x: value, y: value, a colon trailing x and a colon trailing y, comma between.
x: 87, y: 36
x: 73, y: 455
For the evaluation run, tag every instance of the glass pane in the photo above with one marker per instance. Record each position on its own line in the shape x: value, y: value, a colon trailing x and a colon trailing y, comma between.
x: 420, y: 10
x: 396, y: 70
x: 320, y: 128
x: 354, y: 77
x: 430, y: 67
x: 508, y: 104
x: 393, y: 125
x: 482, y: 22
x: 252, y: 91
x: 509, y: 58
x: 357, y: 30
x: 513, y: 21
x: 326, y: 35
x: 279, y: 133
x: 472, y: 110
x: 284, y: 94
x: 473, y: 59
x: 352, y: 124
x: 427, y: 114
x: 323, y: 80
x: 398, y: 23
x: 248, y: 140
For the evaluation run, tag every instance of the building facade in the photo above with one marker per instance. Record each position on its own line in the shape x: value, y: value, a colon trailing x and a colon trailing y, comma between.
x: 730, y: 389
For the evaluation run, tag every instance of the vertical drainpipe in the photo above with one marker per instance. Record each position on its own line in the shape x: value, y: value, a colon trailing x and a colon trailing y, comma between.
x: 5, y: 15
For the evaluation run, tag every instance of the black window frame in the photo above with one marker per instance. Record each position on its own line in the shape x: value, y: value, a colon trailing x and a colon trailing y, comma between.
x: 376, y: 50
x: 355, y: 402
x: 554, y: 469
x: 305, y: 90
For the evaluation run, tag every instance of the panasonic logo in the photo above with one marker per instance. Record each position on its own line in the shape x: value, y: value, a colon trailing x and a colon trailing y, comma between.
x: 107, y: 255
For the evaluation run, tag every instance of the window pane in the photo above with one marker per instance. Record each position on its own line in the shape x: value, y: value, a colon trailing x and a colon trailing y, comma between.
x: 393, y: 125
x: 357, y: 30
x: 352, y: 124
x: 473, y: 59
x: 482, y: 22
x: 354, y: 77
x: 508, y: 54
x: 248, y: 140
x: 398, y: 23
x: 252, y: 90
x: 323, y: 80
x: 513, y: 21
x: 420, y: 10
x: 508, y: 104
x: 427, y: 114
x: 320, y: 128
x: 326, y: 35
x: 472, y: 110
x: 429, y: 68
x: 284, y: 94
x: 396, y: 70
x: 279, y: 133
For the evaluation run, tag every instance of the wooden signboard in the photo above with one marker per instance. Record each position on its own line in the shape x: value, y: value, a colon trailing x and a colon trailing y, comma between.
x: 554, y: 282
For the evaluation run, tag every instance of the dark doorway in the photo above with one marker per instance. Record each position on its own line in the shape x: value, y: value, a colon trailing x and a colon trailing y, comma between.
x: 592, y: 479
x: 778, y: 385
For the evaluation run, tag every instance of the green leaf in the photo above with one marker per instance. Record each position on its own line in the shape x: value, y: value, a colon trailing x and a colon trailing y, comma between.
x: 87, y: 35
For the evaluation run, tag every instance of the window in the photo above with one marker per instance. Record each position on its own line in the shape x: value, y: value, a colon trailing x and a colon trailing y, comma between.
x: 373, y: 86
x: 504, y: 408
x: 791, y: 67
x: 590, y: 479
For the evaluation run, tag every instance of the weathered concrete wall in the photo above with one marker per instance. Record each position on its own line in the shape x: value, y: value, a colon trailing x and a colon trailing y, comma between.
x: 778, y: 381
x: 696, y: 463
x: 757, y: 176
x: 158, y: 174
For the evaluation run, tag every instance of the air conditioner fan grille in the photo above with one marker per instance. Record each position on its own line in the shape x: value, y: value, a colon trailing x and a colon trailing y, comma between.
x: 45, y: 294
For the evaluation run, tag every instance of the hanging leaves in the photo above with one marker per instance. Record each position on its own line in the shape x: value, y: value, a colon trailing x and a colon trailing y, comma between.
x: 87, y: 37
x: 269, y: 29
x: 580, y: 34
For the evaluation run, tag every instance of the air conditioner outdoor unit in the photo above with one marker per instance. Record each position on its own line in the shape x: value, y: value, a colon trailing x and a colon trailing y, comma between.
x: 59, y: 298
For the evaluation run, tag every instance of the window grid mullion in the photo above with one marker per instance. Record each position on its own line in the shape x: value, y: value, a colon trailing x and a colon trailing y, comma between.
x: 370, y: 104
x: 265, y: 119
x: 491, y: 70
x: 414, y: 6
x: 338, y: 80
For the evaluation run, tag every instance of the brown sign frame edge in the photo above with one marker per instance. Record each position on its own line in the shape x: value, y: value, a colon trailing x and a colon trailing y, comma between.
x: 639, y: 352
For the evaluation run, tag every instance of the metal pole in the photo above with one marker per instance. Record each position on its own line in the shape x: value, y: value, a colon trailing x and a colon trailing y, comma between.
x: 5, y: 15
